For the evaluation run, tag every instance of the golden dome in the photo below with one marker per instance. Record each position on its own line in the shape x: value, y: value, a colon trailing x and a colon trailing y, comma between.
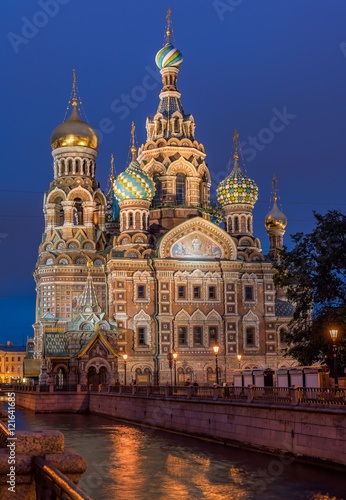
x: 74, y: 132
x: 275, y: 219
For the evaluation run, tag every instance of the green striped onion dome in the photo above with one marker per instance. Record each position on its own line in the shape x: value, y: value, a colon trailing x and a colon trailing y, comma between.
x: 134, y: 183
x: 237, y: 188
x: 168, y: 56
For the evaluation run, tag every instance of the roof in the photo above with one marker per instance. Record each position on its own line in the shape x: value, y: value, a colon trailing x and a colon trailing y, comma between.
x: 13, y: 348
x: 284, y: 309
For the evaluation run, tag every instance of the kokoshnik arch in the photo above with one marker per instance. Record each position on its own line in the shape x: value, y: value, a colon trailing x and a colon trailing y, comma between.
x: 145, y: 269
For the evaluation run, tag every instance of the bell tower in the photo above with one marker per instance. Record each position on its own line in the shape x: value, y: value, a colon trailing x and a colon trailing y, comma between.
x: 172, y: 156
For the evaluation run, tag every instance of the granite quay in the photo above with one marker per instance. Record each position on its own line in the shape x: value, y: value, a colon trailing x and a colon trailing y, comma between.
x: 307, y: 423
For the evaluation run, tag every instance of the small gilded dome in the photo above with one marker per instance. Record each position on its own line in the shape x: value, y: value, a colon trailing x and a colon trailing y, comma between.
x: 74, y: 132
x: 168, y: 56
x: 134, y: 183
x: 275, y: 218
x: 237, y: 188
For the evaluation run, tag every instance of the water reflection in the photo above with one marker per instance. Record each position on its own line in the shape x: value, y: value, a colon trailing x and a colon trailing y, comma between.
x: 131, y: 462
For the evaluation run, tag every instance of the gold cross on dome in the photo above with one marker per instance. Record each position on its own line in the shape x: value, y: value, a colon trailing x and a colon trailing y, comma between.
x: 168, y: 17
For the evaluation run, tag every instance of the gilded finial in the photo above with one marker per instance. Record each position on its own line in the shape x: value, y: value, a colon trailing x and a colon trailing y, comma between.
x: 89, y: 262
x: 112, y: 168
x: 168, y: 32
x: 133, y: 147
x: 74, y: 99
x: 235, y: 140
x: 274, y: 189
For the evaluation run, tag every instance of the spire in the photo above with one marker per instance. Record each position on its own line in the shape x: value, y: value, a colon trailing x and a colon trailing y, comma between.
x: 111, y: 177
x: 274, y: 189
x: 235, y: 140
x: 168, y: 32
x: 133, y: 147
x: 89, y: 297
x: 74, y: 98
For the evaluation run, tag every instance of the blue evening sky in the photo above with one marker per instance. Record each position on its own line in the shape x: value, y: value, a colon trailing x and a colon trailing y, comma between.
x: 275, y: 70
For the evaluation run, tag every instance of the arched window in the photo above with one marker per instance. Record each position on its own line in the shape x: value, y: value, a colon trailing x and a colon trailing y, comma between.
x: 130, y: 220
x: 229, y: 223
x: 249, y: 225
x: 77, y: 166
x: 202, y: 189
x: 59, y: 213
x: 236, y: 224
x: 84, y: 171
x: 176, y: 125
x: 144, y: 222
x: 157, y: 198
x: 70, y: 166
x: 282, y: 333
x: 180, y: 189
x: 78, y: 205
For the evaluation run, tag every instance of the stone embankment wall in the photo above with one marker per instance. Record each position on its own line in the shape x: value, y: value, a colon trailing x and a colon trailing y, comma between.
x: 69, y: 402
x: 318, y: 434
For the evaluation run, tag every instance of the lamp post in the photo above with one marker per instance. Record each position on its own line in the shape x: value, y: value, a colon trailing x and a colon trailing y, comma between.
x: 175, y: 355
x: 125, y: 358
x: 216, y: 350
x: 334, y: 334
x: 239, y: 359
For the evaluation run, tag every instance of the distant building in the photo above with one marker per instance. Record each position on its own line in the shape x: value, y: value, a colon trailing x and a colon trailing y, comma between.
x: 11, y: 362
x: 145, y: 269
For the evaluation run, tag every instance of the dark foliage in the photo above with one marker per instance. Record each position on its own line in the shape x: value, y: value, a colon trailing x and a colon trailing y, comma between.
x: 314, y: 275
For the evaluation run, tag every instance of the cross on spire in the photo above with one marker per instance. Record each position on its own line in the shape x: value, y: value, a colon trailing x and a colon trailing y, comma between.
x: 275, y: 180
x: 74, y: 99
x: 133, y: 147
x: 235, y: 140
x: 168, y: 32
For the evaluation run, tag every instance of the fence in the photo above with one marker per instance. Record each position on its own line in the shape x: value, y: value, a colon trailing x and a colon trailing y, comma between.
x: 251, y: 394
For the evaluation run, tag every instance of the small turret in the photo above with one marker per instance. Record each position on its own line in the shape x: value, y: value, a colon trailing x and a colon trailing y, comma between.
x: 275, y: 222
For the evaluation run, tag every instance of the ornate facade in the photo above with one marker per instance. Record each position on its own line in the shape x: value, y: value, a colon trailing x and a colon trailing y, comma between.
x: 146, y: 269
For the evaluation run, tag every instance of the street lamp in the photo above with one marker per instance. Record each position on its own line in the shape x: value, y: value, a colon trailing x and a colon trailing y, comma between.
x: 216, y: 350
x: 334, y: 334
x: 125, y: 358
x: 239, y: 359
x: 175, y: 355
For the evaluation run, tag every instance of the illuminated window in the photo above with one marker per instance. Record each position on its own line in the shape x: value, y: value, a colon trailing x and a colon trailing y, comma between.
x: 196, y: 292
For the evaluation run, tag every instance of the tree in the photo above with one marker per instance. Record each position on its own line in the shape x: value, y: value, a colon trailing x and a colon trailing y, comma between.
x: 314, y: 276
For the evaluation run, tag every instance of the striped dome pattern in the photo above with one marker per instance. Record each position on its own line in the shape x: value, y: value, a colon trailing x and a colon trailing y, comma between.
x: 134, y: 183
x: 237, y: 188
x: 168, y: 56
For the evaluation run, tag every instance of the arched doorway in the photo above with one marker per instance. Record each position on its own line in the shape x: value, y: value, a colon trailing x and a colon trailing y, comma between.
x: 60, y: 377
x: 93, y: 376
x: 97, y: 378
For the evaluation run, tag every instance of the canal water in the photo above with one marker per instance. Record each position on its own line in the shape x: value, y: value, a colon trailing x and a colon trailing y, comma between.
x: 129, y: 462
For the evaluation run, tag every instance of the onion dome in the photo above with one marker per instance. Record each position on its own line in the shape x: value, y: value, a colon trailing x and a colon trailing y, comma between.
x: 237, y: 188
x: 134, y: 183
x: 74, y: 132
x: 275, y: 219
x: 168, y: 56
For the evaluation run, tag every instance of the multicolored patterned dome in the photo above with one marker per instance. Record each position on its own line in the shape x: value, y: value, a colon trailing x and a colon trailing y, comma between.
x: 237, y: 188
x: 168, y: 56
x: 134, y: 183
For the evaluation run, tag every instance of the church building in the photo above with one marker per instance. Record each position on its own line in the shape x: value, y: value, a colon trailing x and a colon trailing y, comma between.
x: 153, y: 266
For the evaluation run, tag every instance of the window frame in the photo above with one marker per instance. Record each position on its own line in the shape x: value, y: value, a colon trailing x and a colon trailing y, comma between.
x: 200, y: 328
x: 185, y: 336
x: 141, y: 334
x: 250, y: 344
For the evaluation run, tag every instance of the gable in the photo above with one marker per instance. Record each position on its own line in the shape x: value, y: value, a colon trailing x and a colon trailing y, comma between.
x: 197, y: 238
